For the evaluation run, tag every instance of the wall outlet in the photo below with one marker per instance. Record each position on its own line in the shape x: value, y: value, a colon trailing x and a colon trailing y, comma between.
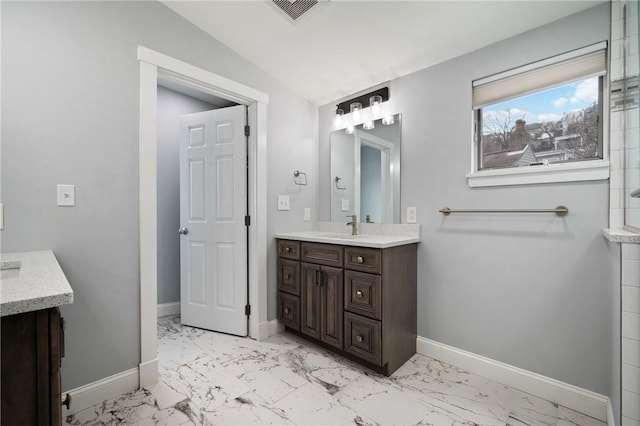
x: 307, y: 214
x: 345, y: 205
x: 411, y: 215
x: 283, y: 202
x: 66, y: 195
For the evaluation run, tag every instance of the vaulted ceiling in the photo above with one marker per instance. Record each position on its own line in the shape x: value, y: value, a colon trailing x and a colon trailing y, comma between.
x: 341, y: 47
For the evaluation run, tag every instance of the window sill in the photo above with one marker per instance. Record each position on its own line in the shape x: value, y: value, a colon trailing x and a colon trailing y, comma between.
x: 563, y: 172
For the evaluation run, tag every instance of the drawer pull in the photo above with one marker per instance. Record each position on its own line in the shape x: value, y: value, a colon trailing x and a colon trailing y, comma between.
x: 359, y: 259
x: 287, y: 249
x: 287, y: 310
x: 359, y: 339
x: 358, y: 293
x: 287, y: 277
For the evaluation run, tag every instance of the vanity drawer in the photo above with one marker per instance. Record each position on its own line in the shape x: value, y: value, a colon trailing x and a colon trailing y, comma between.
x: 323, y: 254
x: 363, y: 337
x: 362, y: 294
x: 289, y: 276
x: 289, y: 310
x: 363, y: 259
x: 289, y: 249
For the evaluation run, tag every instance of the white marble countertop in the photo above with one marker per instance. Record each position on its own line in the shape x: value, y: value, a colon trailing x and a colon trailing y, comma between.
x: 619, y: 235
x: 39, y: 283
x: 362, y: 240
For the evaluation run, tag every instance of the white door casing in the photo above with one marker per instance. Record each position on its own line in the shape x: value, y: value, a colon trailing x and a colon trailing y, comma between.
x: 213, y: 200
x: 152, y: 64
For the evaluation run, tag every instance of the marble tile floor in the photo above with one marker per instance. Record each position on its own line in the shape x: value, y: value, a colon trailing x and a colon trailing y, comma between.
x: 211, y: 378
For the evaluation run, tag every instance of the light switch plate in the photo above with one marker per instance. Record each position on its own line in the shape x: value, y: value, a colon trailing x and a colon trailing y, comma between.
x: 345, y: 205
x: 411, y: 215
x: 66, y: 195
x: 283, y: 202
x: 307, y: 214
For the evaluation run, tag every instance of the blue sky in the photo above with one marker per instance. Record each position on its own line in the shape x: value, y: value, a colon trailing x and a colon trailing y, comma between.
x: 549, y: 105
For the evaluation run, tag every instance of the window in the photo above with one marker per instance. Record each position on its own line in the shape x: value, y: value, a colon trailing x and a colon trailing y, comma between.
x: 542, y: 116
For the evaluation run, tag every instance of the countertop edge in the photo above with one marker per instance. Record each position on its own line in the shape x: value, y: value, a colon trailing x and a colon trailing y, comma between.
x: 394, y: 240
x: 619, y: 235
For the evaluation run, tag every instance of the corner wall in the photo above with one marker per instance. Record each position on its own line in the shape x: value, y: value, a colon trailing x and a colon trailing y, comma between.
x: 79, y: 60
x: 530, y: 291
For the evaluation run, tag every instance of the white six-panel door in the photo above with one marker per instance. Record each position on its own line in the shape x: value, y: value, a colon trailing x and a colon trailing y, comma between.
x: 213, y: 240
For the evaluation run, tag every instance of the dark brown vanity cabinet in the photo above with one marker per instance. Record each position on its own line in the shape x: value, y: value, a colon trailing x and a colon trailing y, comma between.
x: 32, y: 351
x: 361, y: 301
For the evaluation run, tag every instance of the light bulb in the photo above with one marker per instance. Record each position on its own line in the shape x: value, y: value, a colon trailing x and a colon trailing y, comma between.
x: 338, y: 120
x: 349, y: 130
x: 388, y: 120
x: 355, y: 108
x: 375, y: 102
x: 368, y: 125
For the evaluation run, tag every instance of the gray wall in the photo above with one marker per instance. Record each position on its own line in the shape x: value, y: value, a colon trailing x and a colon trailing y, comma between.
x: 79, y: 61
x: 171, y: 105
x: 530, y: 291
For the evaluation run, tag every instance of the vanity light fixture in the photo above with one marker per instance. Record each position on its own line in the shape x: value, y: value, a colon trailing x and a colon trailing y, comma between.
x: 351, y: 113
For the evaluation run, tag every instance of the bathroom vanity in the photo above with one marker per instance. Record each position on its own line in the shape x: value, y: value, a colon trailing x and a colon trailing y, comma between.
x: 32, y: 287
x: 353, y: 294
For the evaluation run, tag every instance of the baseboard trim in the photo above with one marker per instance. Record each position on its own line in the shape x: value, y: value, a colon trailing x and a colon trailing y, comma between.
x: 148, y: 372
x: 611, y: 420
x: 94, y: 393
x: 166, y: 309
x: 573, y: 397
x: 275, y: 327
x: 267, y: 329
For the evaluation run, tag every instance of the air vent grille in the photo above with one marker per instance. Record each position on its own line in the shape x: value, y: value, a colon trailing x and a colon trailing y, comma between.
x: 295, y: 9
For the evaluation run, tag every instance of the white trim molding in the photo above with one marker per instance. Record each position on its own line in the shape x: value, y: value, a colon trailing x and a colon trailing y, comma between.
x: 573, y: 397
x: 166, y: 309
x: 560, y: 172
x: 94, y: 393
x: 155, y: 66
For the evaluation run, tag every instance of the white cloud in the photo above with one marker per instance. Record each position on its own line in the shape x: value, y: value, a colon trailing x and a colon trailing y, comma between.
x: 586, y: 91
x: 560, y: 102
x: 548, y: 117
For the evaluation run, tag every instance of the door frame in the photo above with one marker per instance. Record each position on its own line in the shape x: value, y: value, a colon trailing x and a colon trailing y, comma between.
x: 152, y: 66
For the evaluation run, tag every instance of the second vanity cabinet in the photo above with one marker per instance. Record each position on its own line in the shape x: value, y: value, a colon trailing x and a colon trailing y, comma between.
x: 358, y: 301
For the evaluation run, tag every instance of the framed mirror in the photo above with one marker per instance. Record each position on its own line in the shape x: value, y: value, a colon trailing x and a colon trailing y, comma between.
x: 365, y: 172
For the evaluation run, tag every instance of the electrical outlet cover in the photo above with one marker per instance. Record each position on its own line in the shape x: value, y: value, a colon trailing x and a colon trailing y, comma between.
x: 411, y: 215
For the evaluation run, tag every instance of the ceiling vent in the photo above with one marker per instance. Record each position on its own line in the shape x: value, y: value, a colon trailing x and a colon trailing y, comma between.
x: 297, y: 11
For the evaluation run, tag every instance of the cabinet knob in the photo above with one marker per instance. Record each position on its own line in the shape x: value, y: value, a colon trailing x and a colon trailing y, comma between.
x: 287, y: 249
x: 359, y: 259
x: 287, y: 310
x: 66, y: 401
x: 359, y: 339
x: 358, y: 293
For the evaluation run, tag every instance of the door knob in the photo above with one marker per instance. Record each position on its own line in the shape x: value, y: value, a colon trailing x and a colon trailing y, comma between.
x: 183, y: 231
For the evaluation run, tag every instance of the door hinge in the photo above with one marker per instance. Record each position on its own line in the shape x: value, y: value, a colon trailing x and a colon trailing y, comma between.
x: 247, y: 221
x: 247, y: 310
x: 247, y: 130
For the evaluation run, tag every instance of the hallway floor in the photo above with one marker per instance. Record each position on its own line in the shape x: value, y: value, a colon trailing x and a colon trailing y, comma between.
x: 210, y: 378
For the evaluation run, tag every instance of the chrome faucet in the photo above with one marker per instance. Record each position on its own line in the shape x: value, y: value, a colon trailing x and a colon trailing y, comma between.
x: 353, y: 223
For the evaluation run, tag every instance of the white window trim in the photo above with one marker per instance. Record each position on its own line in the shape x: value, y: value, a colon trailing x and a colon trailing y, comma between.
x: 586, y: 170
x: 558, y: 172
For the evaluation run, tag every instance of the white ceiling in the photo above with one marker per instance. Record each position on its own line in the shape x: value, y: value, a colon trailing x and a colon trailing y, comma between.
x: 349, y: 46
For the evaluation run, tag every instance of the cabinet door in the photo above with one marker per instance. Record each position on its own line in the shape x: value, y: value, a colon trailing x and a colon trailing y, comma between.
x: 332, y: 284
x: 310, y: 300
